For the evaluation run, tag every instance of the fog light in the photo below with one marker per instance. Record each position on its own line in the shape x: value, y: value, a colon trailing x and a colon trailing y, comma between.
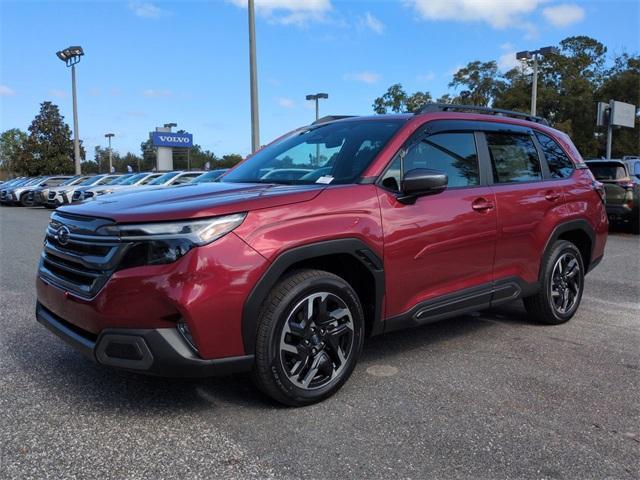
x: 183, y: 328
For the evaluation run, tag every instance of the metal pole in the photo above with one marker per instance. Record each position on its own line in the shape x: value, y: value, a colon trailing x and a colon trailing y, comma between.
x: 253, y: 78
x: 317, y: 144
x: 534, y: 89
x: 610, y: 131
x: 189, y: 159
x: 110, y: 156
x: 76, y: 134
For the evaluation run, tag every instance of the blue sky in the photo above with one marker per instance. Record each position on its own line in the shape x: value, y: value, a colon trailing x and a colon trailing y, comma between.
x: 152, y: 62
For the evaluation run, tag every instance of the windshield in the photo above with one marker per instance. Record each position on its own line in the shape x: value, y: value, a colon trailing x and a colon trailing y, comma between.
x: 335, y: 153
x: 128, y: 179
x: 90, y: 180
x: 607, y: 171
x: 209, y: 176
x: 164, y: 178
x: 69, y: 181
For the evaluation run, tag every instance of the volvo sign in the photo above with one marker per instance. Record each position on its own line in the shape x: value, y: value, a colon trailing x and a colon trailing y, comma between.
x: 170, y: 139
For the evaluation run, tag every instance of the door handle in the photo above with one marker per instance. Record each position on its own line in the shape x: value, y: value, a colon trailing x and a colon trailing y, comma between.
x: 552, y: 196
x: 481, y: 205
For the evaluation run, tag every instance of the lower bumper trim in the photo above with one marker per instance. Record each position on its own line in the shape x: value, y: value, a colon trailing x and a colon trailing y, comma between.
x: 160, y: 351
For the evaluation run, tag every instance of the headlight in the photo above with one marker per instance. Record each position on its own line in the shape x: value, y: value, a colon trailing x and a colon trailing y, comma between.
x: 160, y: 243
x: 198, y: 232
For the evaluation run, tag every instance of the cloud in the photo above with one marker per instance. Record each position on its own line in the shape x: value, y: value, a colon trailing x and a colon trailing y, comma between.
x: 154, y: 93
x: 507, y: 60
x: 56, y: 92
x: 146, y: 9
x: 286, y: 102
x: 369, y: 22
x: 563, y: 15
x: 6, y: 91
x: 289, y: 12
x: 498, y: 14
x: 366, y: 77
x: 427, y: 77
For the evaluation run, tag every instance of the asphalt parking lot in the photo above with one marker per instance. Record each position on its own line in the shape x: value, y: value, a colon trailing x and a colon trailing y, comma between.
x: 483, y: 396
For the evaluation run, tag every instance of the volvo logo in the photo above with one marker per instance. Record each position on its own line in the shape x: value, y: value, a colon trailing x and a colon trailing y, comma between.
x: 62, y: 235
x: 165, y: 138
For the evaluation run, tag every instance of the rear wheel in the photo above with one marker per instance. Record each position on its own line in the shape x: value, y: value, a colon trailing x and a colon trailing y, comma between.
x: 635, y: 223
x: 24, y: 200
x: 562, y: 279
x: 310, y: 335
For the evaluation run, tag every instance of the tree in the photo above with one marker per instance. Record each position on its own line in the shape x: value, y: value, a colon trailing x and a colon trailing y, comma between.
x: 12, y: 143
x: 397, y: 100
x: 480, y: 83
x: 228, y: 161
x: 48, y: 148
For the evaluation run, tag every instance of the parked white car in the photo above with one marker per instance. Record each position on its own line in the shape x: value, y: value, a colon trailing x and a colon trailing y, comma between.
x: 121, y: 184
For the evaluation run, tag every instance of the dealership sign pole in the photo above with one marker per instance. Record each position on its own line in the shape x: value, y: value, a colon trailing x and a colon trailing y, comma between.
x: 166, y: 141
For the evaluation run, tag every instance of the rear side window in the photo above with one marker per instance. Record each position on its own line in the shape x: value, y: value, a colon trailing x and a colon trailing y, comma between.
x: 560, y: 165
x: 607, y: 170
x: 452, y: 153
x: 514, y: 158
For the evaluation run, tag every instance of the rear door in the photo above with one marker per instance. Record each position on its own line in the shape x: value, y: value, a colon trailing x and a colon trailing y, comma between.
x: 529, y: 202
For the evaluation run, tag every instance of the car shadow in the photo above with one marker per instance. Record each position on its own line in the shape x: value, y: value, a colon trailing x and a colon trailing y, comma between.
x: 65, y: 374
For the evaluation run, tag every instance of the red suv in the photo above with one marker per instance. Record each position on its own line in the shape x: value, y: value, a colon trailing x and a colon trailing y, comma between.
x: 347, y: 228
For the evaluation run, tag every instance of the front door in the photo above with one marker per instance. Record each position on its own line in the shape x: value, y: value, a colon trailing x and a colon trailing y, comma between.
x: 440, y: 249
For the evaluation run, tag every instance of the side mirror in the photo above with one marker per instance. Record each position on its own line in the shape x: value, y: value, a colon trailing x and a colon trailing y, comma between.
x: 422, y: 181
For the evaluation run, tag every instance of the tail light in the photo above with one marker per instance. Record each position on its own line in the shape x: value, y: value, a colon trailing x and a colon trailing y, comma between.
x: 599, y: 187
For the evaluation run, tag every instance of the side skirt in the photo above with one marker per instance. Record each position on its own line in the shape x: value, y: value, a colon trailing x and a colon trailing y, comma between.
x: 464, y: 301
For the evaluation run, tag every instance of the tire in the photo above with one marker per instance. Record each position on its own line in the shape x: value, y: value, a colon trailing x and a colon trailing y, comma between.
x: 24, y: 200
x: 561, y: 290
x: 635, y: 223
x: 289, y: 347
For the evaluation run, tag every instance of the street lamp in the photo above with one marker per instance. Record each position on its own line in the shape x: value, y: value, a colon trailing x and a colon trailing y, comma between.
x: 317, y: 97
x: 71, y: 56
x: 109, y: 136
x: 528, y: 55
x: 253, y: 79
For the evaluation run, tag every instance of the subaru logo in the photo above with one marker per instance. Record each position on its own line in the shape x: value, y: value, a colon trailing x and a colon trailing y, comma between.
x: 62, y: 235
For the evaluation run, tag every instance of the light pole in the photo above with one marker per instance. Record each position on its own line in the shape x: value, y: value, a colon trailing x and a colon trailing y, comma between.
x: 71, y: 56
x: 110, y: 136
x: 253, y: 79
x: 317, y: 97
x: 528, y: 55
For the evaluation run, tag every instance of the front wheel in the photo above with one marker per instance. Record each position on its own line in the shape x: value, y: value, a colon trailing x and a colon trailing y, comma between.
x: 309, y: 338
x: 562, y: 279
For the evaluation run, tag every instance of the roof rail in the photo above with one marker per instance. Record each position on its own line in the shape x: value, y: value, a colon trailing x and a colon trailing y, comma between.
x: 331, y: 118
x: 449, y: 107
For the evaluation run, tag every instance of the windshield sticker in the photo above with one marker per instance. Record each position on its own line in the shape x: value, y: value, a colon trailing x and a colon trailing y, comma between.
x: 326, y: 179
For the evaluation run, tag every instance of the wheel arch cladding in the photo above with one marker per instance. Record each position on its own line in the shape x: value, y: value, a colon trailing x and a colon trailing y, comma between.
x: 349, y: 258
x: 578, y: 232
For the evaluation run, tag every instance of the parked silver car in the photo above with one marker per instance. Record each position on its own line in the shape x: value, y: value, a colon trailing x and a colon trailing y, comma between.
x: 122, y: 184
x: 20, y: 195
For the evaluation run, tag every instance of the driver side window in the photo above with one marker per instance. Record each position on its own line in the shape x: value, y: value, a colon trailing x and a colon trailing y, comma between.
x: 452, y: 153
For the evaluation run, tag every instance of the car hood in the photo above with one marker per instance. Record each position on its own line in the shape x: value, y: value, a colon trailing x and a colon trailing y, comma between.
x: 192, y: 201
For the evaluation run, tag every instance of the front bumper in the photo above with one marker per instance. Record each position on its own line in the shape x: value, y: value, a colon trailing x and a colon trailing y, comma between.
x: 155, y: 351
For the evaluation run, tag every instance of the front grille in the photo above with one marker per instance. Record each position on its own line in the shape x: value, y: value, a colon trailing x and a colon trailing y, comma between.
x: 76, y: 258
x: 3, y: 194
